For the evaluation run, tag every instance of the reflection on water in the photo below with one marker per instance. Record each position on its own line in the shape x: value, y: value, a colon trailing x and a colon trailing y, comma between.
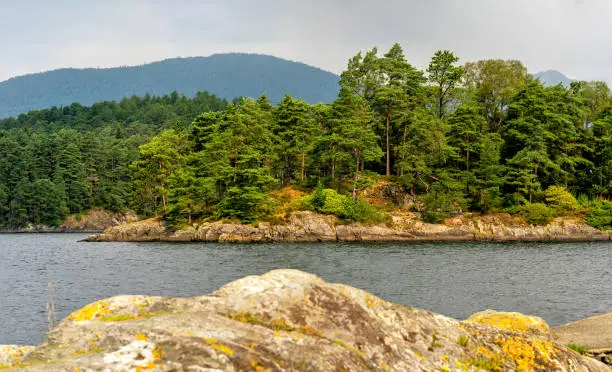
x: 559, y: 282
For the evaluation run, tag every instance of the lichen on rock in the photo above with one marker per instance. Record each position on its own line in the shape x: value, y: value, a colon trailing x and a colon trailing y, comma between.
x: 287, y: 320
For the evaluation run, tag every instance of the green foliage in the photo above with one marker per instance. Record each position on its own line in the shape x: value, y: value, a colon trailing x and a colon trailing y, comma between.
x: 561, y: 200
x: 441, y: 203
x: 599, y: 214
x: 537, y: 213
x: 483, y: 137
x: 580, y: 349
x: 342, y: 206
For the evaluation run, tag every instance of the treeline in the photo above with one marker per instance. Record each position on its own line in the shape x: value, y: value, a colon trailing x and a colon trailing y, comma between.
x: 66, y: 160
x: 484, y: 136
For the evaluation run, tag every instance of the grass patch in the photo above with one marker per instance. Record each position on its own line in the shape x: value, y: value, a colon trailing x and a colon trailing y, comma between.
x: 463, y: 341
x: 580, y: 349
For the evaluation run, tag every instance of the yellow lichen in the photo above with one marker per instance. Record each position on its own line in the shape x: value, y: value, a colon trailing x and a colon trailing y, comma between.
x: 223, y: 348
x: 371, y: 301
x: 257, y: 367
x: 528, y: 354
x: 419, y: 355
x: 514, y: 322
x: 142, y: 337
x: 219, y: 346
x: 91, y: 311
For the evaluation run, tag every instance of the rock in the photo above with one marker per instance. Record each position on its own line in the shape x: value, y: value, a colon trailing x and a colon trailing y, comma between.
x: 312, y: 227
x: 515, y: 322
x: 11, y: 355
x: 286, y: 320
x: 594, y: 333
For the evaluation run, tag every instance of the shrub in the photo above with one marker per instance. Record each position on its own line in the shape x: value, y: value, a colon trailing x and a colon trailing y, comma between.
x: 328, y: 201
x: 561, y: 200
x: 599, y: 215
x: 536, y: 213
x: 438, y: 205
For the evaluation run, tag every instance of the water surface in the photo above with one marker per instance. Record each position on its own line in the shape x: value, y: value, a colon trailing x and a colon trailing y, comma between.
x: 559, y: 282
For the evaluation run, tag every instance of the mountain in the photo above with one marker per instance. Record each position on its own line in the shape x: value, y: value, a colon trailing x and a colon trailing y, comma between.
x: 553, y: 77
x: 226, y: 75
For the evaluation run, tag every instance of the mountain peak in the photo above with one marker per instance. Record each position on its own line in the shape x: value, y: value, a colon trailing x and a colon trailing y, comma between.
x: 553, y: 77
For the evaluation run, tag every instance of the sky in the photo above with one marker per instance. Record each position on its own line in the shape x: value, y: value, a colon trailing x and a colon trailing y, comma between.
x: 572, y: 36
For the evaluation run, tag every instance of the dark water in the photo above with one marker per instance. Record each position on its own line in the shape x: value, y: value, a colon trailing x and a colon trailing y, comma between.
x: 559, y: 282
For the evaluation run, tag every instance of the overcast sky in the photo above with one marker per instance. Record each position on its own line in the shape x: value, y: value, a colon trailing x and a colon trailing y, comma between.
x: 572, y: 36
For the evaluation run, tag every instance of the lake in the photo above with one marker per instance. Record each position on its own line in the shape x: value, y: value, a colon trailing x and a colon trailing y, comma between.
x: 559, y: 282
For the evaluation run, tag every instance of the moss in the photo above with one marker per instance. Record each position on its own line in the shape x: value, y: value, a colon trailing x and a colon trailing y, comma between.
x: 126, y: 317
x: 482, y: 363
x: 275, y: 324
x: 434, y: 342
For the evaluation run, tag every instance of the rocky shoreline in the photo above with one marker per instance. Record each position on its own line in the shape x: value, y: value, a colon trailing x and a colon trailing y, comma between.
x: 312, y: 227
x: 288, y: 320
x: 95, y: 220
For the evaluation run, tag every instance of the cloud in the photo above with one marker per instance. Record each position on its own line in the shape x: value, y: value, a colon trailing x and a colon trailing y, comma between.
x: 568, y: 35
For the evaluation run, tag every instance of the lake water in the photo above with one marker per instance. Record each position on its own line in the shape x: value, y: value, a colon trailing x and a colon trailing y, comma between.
x: 559, y: 282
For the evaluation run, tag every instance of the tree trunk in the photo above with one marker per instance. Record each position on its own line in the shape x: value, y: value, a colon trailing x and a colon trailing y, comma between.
x: 357, y: 155
x: 467, y: 157
x: 388, y: 173
x: 303, y: 165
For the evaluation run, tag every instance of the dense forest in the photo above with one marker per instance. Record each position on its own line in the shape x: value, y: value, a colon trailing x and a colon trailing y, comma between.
x: 225, y: 75
x: 483, y: 136
x: 62, y: 161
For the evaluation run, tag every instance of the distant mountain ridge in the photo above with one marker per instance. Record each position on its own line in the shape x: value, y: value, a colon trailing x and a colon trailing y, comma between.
x: 553, y: 77
x: 226, y: 75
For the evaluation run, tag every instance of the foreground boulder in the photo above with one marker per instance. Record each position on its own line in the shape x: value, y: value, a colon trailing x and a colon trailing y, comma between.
x: 287, y: 320
x: 307, y: 226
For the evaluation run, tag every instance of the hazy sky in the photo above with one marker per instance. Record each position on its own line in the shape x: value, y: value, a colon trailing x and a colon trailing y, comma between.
x: 572, y: 36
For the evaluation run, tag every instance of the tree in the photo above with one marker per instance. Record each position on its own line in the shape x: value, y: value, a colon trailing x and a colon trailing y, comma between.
x: 445, y: 77
x: 494, y: 82
x: 295, y: 128
x: 158, y: 160
x: 398, y: 83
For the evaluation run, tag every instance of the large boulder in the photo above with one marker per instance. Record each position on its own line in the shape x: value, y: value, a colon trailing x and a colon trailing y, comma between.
x: 286, y: 320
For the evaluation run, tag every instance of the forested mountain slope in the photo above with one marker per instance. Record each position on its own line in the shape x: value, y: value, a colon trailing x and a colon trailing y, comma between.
x: 226, y: 75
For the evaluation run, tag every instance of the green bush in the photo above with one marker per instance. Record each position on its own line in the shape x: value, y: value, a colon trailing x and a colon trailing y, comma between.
x: 440, y: 204
x: 536, y: 213
x: 599, y: 215
x: 561, y: 200
x: 328, y: 201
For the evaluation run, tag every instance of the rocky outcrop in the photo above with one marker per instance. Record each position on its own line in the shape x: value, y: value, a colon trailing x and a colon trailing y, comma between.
x: 312, y: 227
x: 287, y: 320
x: 594, y: 334
x: 95, y: 220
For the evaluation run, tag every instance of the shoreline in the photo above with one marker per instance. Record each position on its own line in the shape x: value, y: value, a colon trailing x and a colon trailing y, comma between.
x: 303, y: 227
